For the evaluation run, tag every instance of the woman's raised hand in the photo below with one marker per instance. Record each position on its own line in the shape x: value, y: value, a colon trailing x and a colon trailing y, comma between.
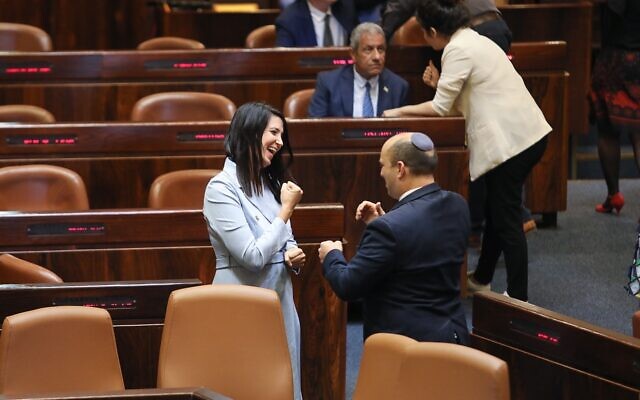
x: 431, y: 75
x: 290, y: 195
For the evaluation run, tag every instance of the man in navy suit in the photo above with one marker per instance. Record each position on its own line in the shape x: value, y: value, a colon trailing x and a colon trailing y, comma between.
x: 407, y: 267
x: 311, y: 23
x: 364, y: 89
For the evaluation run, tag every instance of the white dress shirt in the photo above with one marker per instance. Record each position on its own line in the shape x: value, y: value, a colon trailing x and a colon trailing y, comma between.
x: 337, y: 31
x: 359, y: 90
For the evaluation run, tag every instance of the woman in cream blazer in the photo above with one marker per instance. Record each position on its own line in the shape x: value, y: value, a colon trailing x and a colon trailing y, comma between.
x: 506, y: 131
x: 247, y: 207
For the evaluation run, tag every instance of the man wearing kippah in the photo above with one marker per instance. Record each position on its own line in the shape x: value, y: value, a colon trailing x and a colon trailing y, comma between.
x: 407, y: 267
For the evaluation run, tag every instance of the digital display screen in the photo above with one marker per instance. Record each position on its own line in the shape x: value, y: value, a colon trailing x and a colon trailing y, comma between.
x: 366, y: 133
x: 26, y: 140
x: 108, y: 303
x: 66, y: 229
x: 533, y: 331
x: 324, y: 61
x: 175, y: 64
x: 201, y: 136
x: 31, y: 67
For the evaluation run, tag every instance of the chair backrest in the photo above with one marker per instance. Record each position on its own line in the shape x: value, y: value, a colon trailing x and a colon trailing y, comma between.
x: 380, y: 366
x: 17, y: 270
x: 636, y: 324
x: 183, y: 106
x: 180, y: 189
x: 59, y: 350
x: 170, y: 43
x: 21, y: 37
x: 229, y: 338
x: 40, y: 187
x: 409, y: 34
x: 447, y: 371
x: 24, y: 113
x: 297, y: 104
x: 261, y: 37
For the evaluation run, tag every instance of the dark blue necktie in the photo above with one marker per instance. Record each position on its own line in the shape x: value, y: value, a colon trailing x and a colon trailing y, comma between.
x: 367, y: 105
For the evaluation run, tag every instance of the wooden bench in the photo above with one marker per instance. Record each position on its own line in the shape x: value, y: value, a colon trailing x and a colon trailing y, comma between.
x: 552, y: 356
x: 170, y: 244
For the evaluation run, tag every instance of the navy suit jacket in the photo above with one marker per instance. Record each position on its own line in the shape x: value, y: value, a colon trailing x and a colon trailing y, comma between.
x: 333, y: 96
x: 407, y: 268
x: 294, y: 26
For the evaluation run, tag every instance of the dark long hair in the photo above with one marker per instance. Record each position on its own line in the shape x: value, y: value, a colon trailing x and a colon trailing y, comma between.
x: 243, y: 146
x: 445, y: 16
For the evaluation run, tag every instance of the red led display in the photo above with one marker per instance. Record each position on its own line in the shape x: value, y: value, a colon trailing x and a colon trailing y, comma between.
x: 201, y: 136
x: 176, y: 64
x: 184, y: 65
x: 366, y: 133
x: 22, y: 67
x: 41, y: 140
x: 66, y: 229
x: 312, y: 62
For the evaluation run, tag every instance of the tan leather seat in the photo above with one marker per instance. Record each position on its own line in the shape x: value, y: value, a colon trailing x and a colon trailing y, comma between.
x: 380, y: 366
x: 24, y: 113
x: 183, y: 106
x: 58, y: 350
x: 170, y: 43
x: 409, y: 34
x: 446, y: 371
x: 17, y: 270
x: 636, y: 324
x: 229, y: 338
x: 41, y: 188
x: 21, y: 37
x: 180, y: 189
x: 261, y: 37
x: 297, y: 104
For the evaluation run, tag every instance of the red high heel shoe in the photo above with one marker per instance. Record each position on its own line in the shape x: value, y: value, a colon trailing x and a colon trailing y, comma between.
x: 615, y: 201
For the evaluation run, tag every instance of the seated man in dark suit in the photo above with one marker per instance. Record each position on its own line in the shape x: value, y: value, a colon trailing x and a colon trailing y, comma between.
x: 311, y: 23
x: 364, y: 89
x: 407, y: 267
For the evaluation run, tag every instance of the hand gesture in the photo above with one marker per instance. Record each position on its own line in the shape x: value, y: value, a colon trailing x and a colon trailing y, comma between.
x: 295, y: 257
x: 290, y: 195
x: 431, y: 75
x: 368, y: 211
x: 326, y: 247
x: 392, y: 113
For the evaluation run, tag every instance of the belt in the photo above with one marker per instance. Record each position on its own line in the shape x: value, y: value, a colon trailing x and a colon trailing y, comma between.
x: 484, y: 17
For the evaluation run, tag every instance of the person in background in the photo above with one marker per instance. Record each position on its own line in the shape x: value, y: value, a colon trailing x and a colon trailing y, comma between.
x: 615, y: 93
x: 506, y: 132
x: 247, y: 207
x: 364, y: 89
x: 311, y: 23
x: 407, y: 267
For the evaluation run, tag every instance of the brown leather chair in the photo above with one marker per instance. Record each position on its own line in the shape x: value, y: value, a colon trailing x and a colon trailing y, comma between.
x: 180, y: 189
x: 41, y: 188
x: 183, y: 106
x: 21, y: 37
x: 261, y: 37
x: 446, y: 371
x: 59, y: 350
x: 17, y: 270
x: 23, y: 113
x: 380, y: 366
x: 170, y: 43
x: 636, y: 324
x: 409, y: 34
x: 297, y: 104
x: 229, y: 338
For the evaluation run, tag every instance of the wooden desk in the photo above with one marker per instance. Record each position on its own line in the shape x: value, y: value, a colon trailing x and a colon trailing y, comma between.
x: 166, y: 244
x: 139, y: 394
x: 552, y: 356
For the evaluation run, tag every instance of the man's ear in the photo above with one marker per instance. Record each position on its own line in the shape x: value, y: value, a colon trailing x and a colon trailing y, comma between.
x: 401, y: 168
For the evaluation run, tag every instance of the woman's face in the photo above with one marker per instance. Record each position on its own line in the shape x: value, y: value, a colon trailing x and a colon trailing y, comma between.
x: 271, y: 140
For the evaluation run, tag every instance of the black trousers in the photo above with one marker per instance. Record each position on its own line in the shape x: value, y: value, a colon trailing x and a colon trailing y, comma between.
x: 503, y: 221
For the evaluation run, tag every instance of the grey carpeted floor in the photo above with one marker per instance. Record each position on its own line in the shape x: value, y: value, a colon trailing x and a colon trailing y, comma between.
x: 577, y: 269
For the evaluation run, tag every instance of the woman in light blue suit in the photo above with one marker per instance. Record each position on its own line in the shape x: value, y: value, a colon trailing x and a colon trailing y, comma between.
x: 247, y: 207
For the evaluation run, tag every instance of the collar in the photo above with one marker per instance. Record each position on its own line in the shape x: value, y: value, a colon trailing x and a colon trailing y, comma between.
x: 408, y: 192
x: 317, y: 14
x: 413, y: 194
x: 361, y: 81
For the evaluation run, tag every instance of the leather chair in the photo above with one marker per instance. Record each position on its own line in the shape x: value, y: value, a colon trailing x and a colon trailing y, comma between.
x: 180, y: 189
x: 21, y: 37
x: 58, y: 350
x: 229, y: 338
x: 409, y: 34
x: 297, y: 104
x: 170, y: 43
x: 446, y: 371
x: 41, y: 188
x: 636, y: 324
x: 23, y: 113
x: 16, y: 270
x: 261, y: 37
x: 380, y: 366
x: 183, y: 106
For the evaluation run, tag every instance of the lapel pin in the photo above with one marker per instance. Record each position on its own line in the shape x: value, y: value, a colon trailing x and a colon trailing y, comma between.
x: 386, y: 89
